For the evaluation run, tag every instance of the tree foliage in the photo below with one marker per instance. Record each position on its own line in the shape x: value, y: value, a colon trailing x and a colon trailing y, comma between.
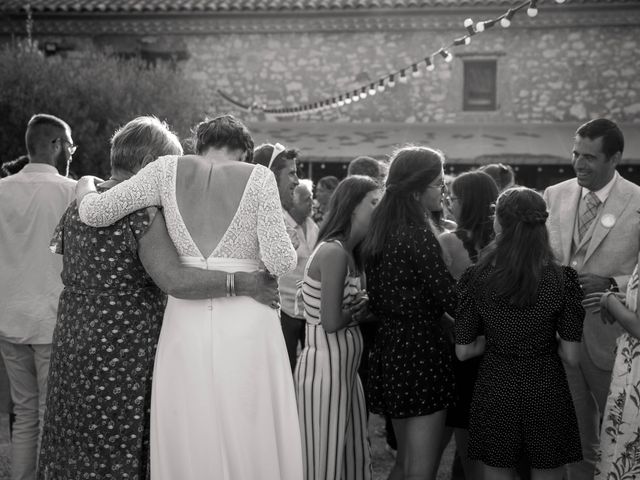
x: 94, y: 93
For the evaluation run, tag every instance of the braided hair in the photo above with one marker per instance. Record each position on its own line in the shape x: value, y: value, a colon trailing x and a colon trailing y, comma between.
x: 521, y: 250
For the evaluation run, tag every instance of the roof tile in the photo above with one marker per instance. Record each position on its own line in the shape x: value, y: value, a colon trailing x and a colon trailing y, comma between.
x: 93, y: 6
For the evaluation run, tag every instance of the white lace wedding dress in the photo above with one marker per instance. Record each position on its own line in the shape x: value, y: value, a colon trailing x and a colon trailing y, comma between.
x: 223, y: 402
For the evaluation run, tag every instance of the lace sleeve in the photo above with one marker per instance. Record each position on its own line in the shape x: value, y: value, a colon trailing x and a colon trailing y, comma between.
x: 140, y: 191
x: 276, y: 250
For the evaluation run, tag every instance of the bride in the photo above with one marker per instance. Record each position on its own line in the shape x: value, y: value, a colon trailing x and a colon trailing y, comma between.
x: 223, y: 403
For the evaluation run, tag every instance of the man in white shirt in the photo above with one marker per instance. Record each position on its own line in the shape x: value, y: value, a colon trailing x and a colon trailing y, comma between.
x: 303, y: 232
x: 594, y: 227
x: 31, y: 204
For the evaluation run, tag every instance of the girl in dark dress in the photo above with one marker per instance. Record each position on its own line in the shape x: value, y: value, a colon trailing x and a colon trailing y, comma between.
x: 410, y: 376
x: 470, y: 200
x: 523, y: 310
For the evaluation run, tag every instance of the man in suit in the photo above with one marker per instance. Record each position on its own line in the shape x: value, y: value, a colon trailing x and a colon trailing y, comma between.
x: 594, y: 227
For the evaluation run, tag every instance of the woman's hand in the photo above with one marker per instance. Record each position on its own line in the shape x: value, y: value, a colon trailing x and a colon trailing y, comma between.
x: 359, y: 308
x: 86, y: 185
x: 266, y: 289
x: 597, y: 302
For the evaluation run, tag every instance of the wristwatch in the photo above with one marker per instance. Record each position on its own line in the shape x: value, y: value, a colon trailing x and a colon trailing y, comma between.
x: 613, y: 285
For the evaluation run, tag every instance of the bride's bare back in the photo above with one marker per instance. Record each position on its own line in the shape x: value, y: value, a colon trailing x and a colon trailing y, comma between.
x: 208, y: 194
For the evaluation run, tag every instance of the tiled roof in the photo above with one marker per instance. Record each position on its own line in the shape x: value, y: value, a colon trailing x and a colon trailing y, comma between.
x: 256, y: 6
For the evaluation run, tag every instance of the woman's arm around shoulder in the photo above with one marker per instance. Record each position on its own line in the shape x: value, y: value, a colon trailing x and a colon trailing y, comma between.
x: 276, y: 249
x: 140, y: 191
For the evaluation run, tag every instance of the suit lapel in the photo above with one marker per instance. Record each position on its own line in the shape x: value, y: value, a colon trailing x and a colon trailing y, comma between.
x: 614, y: 206
x: 568, y: 216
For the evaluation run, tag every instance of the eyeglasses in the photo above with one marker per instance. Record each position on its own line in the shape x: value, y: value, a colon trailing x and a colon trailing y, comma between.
x: 71, y: 147
x: 278, y: 148
x: 441, y: 186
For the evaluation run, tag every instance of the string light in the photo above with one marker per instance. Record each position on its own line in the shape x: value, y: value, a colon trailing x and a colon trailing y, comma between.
x: 430, y: 65
x: 505, y: 21
x: 361, y: 92
x: 446, y: 55
x: 468, y: 24
x: 392, y: 81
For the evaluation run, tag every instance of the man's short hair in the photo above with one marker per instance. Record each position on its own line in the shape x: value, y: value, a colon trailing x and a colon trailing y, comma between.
x: 42, y: 129
x: 13, y: 166
x: 139, y: 138
x: 612, y: 137
x: 367, y: 166
x: 329, y: 182
x: 262, y: 156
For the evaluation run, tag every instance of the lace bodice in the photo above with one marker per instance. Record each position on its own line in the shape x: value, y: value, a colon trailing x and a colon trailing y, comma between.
x: 257, y: 231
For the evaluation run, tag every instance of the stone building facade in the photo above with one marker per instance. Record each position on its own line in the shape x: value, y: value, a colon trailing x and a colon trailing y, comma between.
x: 572, y: 62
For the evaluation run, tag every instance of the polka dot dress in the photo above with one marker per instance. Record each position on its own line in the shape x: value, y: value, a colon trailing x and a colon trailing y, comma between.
x: 411, y: 361
x: 521, y: 403
x: 97, y: 419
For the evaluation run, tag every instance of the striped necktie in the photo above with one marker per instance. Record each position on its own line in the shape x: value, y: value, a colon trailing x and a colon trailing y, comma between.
x: 592, y: 202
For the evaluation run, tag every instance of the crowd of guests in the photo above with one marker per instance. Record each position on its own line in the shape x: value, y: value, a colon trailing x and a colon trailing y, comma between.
x: 211, y: 315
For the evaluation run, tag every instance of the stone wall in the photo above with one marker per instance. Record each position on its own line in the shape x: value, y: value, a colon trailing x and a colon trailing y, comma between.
x: 544, y: 75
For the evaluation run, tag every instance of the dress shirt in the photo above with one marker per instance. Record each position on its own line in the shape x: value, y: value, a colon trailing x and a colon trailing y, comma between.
x: 304, y: 244
x: 31, y: 204
x: 604, y: 192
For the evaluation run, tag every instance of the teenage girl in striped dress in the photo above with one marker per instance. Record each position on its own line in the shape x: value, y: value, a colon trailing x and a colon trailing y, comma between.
x: 331, y: 405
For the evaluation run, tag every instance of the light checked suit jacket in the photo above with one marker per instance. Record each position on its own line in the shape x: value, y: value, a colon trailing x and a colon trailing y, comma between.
x: 611, y: 250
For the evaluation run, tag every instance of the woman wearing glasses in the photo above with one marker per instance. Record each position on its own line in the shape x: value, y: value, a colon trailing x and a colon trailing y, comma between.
x: 410, y: 289
x: 471, y: 199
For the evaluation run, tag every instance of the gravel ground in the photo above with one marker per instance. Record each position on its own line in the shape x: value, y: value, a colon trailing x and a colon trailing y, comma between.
x: 382, y: 460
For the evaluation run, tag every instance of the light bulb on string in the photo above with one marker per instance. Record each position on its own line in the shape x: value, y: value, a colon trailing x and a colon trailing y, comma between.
x: 381, y: 86
x: 340, y: 101
x: 355, y: 96
x: 506, y: 20
x: 363, y: 93
x: 347, y: 99
x: 446, y: 55
x: 430, y: 66
x: 372, y: 89
x: 560, y: 1
x: 415, y: 71
x: 392, y: 81
x: 468, y: 24
x: 467, y: 40
x: 532, y: 11
x: 403, y: 77
x: 480, y: 27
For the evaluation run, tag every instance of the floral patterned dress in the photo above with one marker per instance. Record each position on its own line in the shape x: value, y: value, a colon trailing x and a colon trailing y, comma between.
x: 620, y: 434
x: 109, y: 317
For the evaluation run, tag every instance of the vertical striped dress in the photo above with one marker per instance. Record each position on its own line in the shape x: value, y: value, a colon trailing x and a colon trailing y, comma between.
x: 331, y: 405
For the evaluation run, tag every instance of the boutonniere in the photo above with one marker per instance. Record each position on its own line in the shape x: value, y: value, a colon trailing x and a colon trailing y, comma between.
x: 608, y: 220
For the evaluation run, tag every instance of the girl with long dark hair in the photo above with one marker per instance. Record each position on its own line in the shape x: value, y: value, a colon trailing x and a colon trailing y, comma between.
x: 411, y: 377
x: 471, y: 198
x: 331, y: 404
x: 523, y: 310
